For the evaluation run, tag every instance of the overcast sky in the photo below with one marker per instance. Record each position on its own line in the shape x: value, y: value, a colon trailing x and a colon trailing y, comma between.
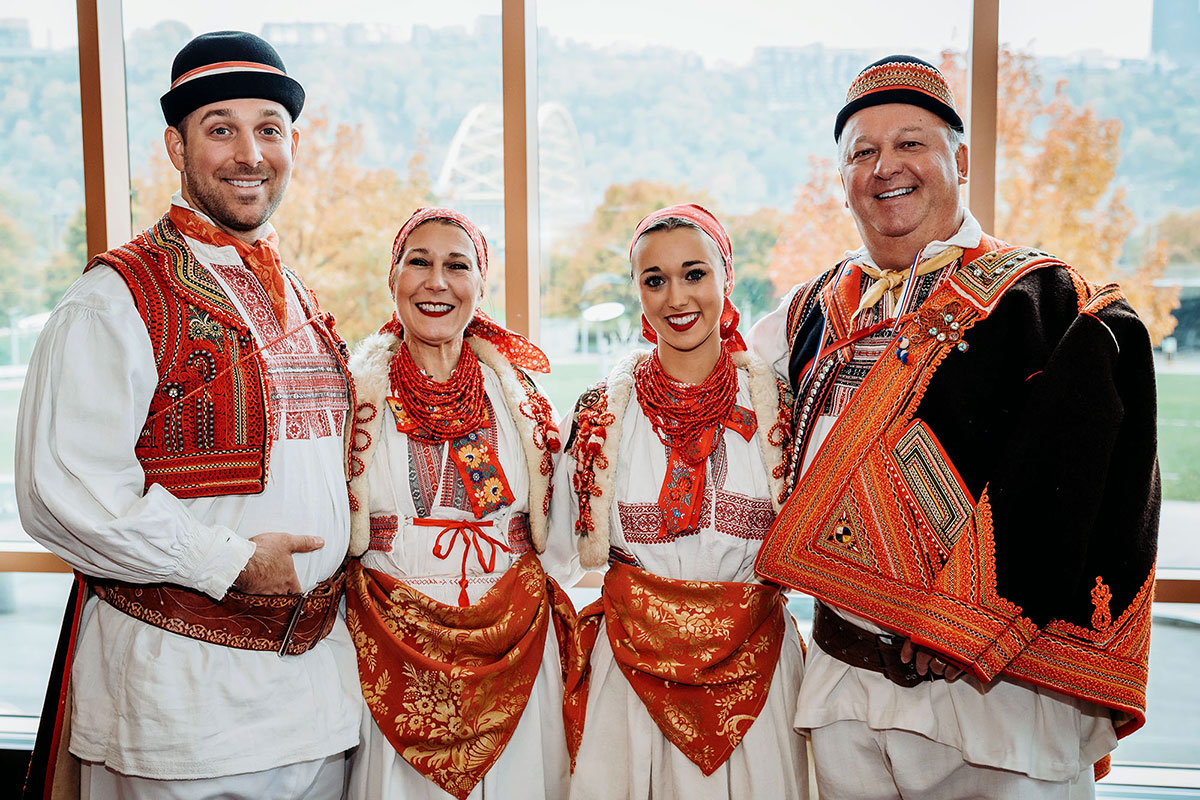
x: 721, y: 31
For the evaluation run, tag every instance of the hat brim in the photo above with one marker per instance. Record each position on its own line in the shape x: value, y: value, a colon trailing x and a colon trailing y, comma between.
x: 908, y: 96
x: 186, y: 98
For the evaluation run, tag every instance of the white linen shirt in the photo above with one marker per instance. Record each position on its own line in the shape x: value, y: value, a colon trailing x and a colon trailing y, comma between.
x: 1007, y: 724
x: 148, y: 702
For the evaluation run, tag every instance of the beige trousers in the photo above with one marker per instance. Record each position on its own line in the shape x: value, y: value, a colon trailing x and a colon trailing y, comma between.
x: 855, y: 762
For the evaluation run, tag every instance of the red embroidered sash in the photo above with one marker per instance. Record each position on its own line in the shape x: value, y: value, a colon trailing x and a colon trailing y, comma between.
x: 447, y: 685
x: 699, y: 654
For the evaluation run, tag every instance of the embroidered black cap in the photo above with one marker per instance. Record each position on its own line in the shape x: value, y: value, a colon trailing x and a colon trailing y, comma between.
x: 226, y: 65
x: 899, y: 79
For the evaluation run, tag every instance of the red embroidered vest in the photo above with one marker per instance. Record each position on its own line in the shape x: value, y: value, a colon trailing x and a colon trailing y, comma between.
x: 206, y: 432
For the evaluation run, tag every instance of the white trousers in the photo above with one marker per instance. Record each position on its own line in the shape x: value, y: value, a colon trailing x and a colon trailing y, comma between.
x: 323, y: 779
x: 855, y: 762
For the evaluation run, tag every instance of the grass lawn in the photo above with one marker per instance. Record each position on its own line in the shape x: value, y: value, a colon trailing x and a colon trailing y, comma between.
x: 1179, y: 435
x: 9, y: 400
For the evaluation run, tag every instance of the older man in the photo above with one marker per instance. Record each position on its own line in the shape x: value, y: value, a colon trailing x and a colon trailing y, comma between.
x: 975, y: 492
x: 180, y: 443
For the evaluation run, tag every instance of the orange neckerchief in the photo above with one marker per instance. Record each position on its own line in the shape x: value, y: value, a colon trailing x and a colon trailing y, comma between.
x: 447, y: 685
x: 262, y: 257
x: 699, y: 654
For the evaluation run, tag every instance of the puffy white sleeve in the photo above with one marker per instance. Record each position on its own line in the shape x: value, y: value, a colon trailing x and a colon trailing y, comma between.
x: 769, y: 340
x: 80, y: 487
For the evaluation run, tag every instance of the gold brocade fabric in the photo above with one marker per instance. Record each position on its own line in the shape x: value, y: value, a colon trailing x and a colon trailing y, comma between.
x: 699, y: 654
x: 447, y: 684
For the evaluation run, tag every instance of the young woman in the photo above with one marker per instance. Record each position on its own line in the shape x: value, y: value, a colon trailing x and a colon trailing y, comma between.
x: 456, y: 623
x: 685, y: 678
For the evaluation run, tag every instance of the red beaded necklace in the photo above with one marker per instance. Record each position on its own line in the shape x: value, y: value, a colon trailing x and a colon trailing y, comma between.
x: 443, y: 411
x: 683, y: 412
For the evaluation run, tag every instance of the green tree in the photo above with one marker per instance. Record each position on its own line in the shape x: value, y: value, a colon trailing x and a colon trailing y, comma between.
x: 593, y: 266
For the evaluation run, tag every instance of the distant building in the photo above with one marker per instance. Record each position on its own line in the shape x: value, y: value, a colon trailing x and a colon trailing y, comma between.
x: 317, y: 34
x: 14, y: 34
x: 1175, y: 31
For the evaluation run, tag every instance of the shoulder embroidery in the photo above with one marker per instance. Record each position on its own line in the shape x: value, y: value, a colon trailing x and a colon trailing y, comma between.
x: 983, y: 280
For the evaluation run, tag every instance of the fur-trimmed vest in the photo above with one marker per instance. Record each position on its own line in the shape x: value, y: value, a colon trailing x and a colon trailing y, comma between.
x: 369, y: 365
x: 207, y: 431
x: 596, y: 437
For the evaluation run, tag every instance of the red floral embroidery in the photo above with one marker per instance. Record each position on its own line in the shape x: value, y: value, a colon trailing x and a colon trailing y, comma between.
x: 592, y: 419
x: 1101, y: 614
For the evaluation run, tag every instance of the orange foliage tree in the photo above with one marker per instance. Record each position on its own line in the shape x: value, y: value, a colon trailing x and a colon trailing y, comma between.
x: 1055, y: 189
x: 817, y: 231
x: 1055, y: 168
x: 336, y: 223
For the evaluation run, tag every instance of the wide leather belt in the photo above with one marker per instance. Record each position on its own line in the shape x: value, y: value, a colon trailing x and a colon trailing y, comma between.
x: 858, y: 648
x: 289, y: 624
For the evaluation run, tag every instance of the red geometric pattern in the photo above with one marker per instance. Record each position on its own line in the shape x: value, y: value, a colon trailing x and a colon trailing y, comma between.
x: 307, y: 387
x: 738, y: 515
x: 829, y: 540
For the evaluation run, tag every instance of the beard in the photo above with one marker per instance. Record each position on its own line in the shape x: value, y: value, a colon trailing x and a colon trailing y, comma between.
x: 209, y: 194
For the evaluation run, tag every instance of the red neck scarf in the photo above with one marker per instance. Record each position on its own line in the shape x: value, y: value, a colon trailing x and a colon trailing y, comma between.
x: 262, y: 257
x: 688, y: 418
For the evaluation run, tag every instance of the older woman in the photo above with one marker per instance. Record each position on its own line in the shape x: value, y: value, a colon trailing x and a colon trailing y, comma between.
x: 671, y: 477
x: 456, y: 623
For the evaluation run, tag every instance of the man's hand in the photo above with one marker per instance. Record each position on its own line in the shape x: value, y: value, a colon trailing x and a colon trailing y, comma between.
x: 928, y: 661
x: 270, y: 569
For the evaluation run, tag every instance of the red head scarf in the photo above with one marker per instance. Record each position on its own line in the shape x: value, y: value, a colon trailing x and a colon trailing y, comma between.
x: 516, y: 348
x: 705, y: 221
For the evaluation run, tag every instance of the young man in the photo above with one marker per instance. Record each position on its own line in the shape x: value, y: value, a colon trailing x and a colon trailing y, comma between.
x: 975, y: 490
x: 180, y: 444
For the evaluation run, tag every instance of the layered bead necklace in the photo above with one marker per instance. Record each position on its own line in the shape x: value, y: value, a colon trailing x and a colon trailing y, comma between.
x: 682, y: 412
x: 688, y: 418
x: 441, y: 411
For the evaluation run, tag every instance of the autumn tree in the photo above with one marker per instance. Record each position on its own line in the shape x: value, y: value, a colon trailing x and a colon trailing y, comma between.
x: 1055, y: 168
x: 592, y: 266
x: 1055, y: 187
x: 336, y: 223
x: 754, y: 236
x: 818, y: 230
x: 18, y: 294
x: 339, y: 219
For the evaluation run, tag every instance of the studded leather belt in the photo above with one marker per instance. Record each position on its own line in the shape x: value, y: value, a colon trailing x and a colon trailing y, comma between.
x: 852, y: 645
x: 289, y: 624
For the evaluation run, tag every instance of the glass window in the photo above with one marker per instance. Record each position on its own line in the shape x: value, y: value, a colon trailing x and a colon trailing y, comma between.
x: 42, y: 249
x: 1097, y: 129
x: 732, y: 108
x: 402, y: 110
